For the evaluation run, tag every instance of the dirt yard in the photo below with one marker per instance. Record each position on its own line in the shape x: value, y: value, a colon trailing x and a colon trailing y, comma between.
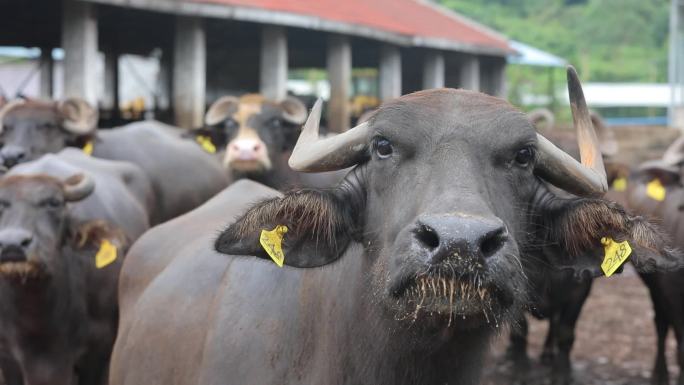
x: 615, y: 339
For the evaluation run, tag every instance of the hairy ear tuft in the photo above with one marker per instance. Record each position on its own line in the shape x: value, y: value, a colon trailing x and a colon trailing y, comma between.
x: 578, y: 226
x: 319, y: 228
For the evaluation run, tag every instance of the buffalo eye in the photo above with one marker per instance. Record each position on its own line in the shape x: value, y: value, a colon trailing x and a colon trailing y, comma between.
x: 4, y: 205
x: 524, y: 156
x: 230, y: 123
x: 51, y: 203
x: 382, y: 147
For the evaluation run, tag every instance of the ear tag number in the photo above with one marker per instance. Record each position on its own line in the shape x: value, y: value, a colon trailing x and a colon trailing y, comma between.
x: 272, y: 242
x: 616, y: 254
x: 206, y: 144
x: 620, y: 184
x: 106, y: 255
x: 655, y: 190
x: 88, y: 148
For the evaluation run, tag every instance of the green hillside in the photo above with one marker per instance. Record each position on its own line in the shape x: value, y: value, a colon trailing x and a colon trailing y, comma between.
x: 607, y: 40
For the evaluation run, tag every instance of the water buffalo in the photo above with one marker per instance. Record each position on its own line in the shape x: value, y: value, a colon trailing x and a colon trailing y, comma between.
x: 664, y: 201
x: 559, y: 295
x: 123, y: 196
x: 182, y: 175
x: 399, y: 275
x: 254, y: 136
x: 58, y: 283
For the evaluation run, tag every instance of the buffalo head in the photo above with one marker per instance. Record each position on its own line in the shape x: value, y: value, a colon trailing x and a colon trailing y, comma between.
x: 29, y: 128
x: 251, y: 132
x: 34, y: 222
x: 448, y: 204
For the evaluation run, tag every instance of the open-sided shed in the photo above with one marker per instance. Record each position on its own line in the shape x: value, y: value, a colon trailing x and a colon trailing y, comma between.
x: 214, y: 47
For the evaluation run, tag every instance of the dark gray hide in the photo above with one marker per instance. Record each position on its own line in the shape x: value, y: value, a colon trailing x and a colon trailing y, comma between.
x: 58, y: 313
x: 182, y: 175
x: 123, y: 195
x: 665, y: 288
x: 426, y: 243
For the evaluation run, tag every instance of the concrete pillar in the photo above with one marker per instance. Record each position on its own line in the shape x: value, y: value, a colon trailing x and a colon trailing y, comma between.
x: 339, y: 75
x: 79, y: 40
x: 189, y: 72
x: 470, y: 73
x: 499, y: 79
x: 110, y: 100
x: 433, y: 70
x: 47, y: 73
x: 273, y: 76
x: 164, y: 80
x: 390, y: 72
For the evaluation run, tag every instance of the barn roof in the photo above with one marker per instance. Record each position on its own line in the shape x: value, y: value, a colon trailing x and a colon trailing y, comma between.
x: 417, y: 23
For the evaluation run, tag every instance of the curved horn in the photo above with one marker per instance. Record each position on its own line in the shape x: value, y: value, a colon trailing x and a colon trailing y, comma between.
x: 559, y: 168
x: 7, y: 107
x: 78, y: 187
x: 542, y: 115
x: 79, y: 117
x: 314, y: 154
x: 674, y: 155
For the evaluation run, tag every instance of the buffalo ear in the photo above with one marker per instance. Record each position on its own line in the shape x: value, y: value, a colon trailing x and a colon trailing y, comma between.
x: 221, y: 110
x: 80, y: 118
x: 294, y: 111
x: 318, y: 229
x: 578, y: 225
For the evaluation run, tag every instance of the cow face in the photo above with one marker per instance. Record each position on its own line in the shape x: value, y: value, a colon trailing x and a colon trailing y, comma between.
x: 34, y: 222
x: 29, y: 129
x: 447, y: 202
x: 253, y: 131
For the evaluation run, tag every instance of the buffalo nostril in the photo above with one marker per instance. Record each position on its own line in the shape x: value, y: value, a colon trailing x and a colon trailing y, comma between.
x: 493, y: 242
x: 26, y: 242
x: 427, y: 236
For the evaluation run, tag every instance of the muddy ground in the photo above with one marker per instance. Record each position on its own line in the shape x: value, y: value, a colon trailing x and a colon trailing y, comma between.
x: 615, y: 339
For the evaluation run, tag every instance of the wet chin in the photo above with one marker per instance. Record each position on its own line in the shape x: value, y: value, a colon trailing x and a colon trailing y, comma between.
x: 23, y: 271
x: 437, y: 302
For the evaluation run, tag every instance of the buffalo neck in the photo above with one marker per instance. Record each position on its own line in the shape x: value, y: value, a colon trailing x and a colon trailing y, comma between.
x: 33, y: 306
x: 373, y: 347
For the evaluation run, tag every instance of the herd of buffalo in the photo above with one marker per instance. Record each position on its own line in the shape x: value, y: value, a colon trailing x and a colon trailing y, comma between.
x: 255, y: 250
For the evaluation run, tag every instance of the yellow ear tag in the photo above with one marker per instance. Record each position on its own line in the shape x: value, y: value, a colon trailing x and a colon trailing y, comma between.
x: 206, y: 144
x: 620, y: 184
x: 106, y: 255
x: 88, y: 148
x: 272, y: 242
x: 616, y: 254
x: 655, y: 190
